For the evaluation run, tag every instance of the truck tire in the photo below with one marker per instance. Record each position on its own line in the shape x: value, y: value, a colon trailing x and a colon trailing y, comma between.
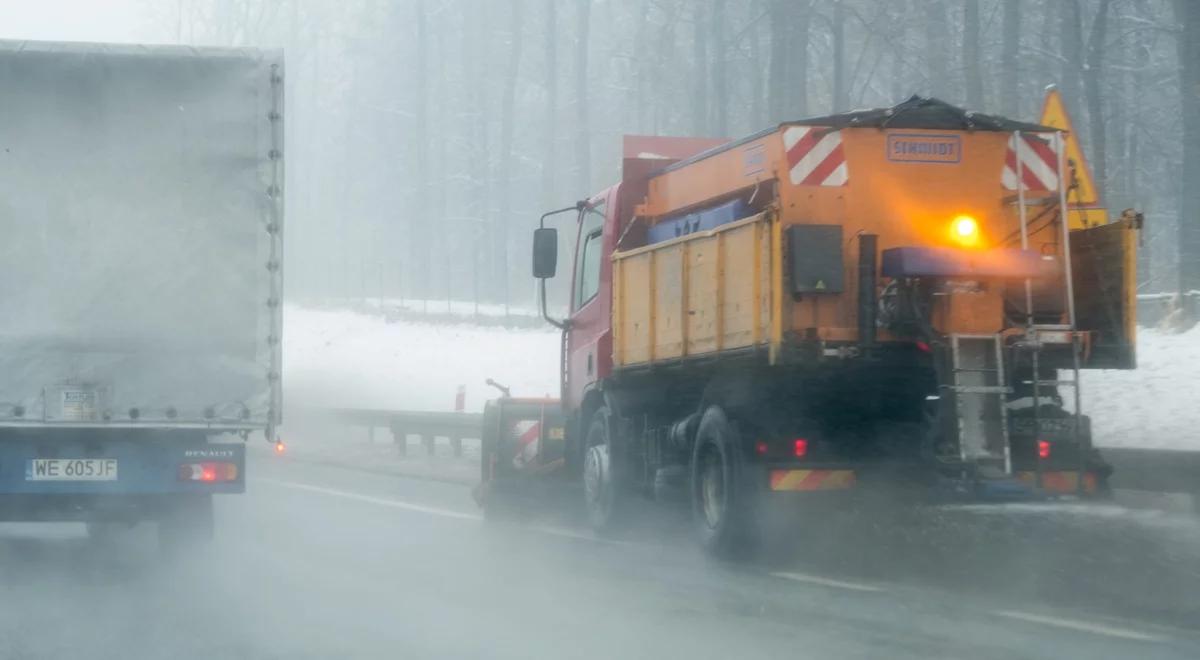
x: 723, y: 509
x: 186, y: 523
x: 602, y: 498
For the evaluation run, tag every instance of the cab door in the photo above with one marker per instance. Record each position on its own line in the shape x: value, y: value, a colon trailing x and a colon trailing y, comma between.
x: 589, y: 335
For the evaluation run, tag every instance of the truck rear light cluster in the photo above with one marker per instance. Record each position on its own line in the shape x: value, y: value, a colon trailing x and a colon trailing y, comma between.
x: 208, y: 472
x: 1043, y: 447
x: 799, y: 447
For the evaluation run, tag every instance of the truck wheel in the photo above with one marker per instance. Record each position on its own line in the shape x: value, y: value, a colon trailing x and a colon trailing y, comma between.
x: 601, y: 496
x: 186, y: 523
x: 722, y: 506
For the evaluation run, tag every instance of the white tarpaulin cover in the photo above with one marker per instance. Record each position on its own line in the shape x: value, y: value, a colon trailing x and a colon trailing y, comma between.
x: 141, y: 221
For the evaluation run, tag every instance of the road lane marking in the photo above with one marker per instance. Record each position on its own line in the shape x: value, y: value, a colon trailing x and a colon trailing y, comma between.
x: 1080, y: 626
x: 381, y: 501
x: 572, y: 534
x: 436, y: 511
x: 827, y: 582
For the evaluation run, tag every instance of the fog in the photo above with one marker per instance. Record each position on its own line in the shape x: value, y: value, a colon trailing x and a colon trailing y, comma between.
x: 422, y: 141
x: 425, y: 137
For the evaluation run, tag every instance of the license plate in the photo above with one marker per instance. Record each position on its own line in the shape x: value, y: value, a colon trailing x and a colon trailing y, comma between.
x: 71, y: 469
x: 1053, y: 425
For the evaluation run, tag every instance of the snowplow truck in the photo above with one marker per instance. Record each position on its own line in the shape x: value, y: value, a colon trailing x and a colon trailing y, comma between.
x: 868, y: 298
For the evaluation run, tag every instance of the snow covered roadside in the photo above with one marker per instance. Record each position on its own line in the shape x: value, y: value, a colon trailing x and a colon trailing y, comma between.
x: 1156, y: 406
x: 338, y: 358
x: 343, y: 359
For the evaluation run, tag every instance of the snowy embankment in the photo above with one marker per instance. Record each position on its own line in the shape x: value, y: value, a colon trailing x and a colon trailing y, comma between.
x: 338, y: 358
x: 344, y: 359
x: 1155, y: 406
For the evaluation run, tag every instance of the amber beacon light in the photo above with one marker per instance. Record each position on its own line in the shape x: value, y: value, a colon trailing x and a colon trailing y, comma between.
x: 964, y: 230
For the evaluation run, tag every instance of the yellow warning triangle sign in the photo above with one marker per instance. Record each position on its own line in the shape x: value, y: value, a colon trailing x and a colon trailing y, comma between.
x: 1054, y: 113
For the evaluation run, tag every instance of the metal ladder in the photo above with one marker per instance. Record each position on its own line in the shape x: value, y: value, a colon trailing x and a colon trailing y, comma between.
x: 1036, y: 334
x: 979, y: 393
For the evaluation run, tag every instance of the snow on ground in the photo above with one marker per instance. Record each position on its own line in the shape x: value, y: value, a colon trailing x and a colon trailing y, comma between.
x: 1155, y: 406
x: 344, y: 359
x: 339, y: 358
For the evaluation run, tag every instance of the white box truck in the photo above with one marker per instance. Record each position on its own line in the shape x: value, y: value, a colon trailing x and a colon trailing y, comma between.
x: 141, y: 275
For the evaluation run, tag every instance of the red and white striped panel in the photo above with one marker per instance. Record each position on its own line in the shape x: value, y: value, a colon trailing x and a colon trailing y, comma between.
x: 815, y: 156
x: 526, y: 433
x: 1039, y: 163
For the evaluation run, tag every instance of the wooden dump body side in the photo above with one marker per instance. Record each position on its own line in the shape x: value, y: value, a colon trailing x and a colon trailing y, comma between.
x: 695, y: 295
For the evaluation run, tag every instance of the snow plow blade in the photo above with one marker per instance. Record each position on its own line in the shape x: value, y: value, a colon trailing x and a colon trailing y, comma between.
x: 523, y: 444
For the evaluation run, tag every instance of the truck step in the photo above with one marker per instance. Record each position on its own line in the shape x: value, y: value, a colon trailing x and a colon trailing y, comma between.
x: 978, y: 389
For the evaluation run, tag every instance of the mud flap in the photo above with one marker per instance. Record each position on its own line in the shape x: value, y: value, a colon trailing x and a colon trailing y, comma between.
x: 1104, y: 274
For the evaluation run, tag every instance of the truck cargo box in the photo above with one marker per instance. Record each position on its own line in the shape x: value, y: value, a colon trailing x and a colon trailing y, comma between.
x: 142, y: 216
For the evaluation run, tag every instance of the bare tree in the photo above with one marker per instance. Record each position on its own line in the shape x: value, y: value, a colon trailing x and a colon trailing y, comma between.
x: 550, y: 124
x: 418, y: 248
x: 699, y: 97
x: 720, y: 76
x: 972, y: 55
x: 1071, y: 28
x: 1009, y: 63
x: 504, y: 185
x: 1187, y: 13
x: 778, y: 67
x: 583, y: 138
x: 1093, y: 80
x: 936, y: 48
x: 841, y: 98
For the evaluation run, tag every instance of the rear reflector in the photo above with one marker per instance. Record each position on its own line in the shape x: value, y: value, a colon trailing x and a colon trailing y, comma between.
x: 799, y: 447
x: 208, y: 472
x: 760, y: 448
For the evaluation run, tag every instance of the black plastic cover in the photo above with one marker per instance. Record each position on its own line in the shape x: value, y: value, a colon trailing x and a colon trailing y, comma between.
x: 815, y: 255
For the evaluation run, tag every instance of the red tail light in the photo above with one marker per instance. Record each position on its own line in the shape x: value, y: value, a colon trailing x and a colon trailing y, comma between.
x: 799, y: 447
x: 208, y: 472
x: 760, y: 448
x: 1043, y: 449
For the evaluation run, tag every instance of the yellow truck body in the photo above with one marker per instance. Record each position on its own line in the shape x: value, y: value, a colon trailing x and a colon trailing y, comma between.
x: 725, y: 288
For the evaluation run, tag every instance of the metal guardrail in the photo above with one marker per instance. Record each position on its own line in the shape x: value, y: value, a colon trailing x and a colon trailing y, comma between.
x: 429, y: 426
x: 1148, y: 470
x: 1154, y: 470
x: 1153, y: 307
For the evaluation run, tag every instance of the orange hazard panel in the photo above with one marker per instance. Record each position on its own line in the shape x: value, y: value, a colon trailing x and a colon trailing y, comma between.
x: 1061, y: 482
x: 812, y: 479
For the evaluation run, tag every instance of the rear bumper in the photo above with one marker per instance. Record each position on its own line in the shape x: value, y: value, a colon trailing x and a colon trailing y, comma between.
x: 1063, y: 482
x: 88, y: 508
x: 144, y: 467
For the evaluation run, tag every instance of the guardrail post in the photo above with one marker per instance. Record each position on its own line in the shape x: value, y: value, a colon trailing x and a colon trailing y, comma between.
x: 400, y: 438
x: 430, y: 443
x: 456, y: 443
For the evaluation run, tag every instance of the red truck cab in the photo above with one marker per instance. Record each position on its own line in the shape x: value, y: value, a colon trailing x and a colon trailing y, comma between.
x: 602, y: 221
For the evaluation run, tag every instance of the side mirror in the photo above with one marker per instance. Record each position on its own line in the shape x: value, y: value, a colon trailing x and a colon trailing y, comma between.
x: 545, y: 252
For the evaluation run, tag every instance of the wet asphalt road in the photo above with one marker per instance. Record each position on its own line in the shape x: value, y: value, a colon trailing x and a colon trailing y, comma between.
x: 323, y: 562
